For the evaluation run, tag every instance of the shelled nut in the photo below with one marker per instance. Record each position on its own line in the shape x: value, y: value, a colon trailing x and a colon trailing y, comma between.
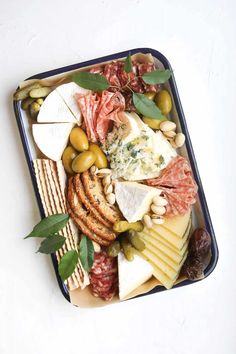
x: 147, y: 221
x: 106, y: 180
x: 157, y: 220
x: 167, y: 126
x: 170, y: 134
x: 108, y: 189
x: 158, y: 210
x: 179, y: 140
x: 159, y: 201
x: 111, y: 198
x: 103, y: 172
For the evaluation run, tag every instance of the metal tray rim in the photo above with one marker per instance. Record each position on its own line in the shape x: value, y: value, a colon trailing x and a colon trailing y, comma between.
x: 182, y: 120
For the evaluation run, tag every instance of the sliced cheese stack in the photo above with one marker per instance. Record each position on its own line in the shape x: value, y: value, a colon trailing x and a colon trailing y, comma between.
x: 167, y: 247
x: 51, y: 181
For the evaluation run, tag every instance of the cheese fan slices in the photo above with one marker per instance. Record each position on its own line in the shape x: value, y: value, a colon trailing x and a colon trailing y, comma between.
x: 165, y: 249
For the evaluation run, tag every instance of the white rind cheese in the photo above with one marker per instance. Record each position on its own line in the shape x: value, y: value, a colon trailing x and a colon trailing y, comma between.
x: 67, y: 93
x: 134, y: 199
x: 132, y: 274
x: 52, y: 139
x: 54, y: 110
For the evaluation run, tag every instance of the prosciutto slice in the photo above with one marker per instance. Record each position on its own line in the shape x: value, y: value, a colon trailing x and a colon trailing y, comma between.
x: 98, y: 112
x: 177, y: 185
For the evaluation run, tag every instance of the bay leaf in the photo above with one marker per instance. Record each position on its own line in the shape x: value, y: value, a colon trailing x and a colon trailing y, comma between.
x: 86, y: 253
x: 146, y: 106
x: 49, y: 225
x: 90, y: 81
x: 52, y: 244
x: 157, y: 77
x: 67, y: 264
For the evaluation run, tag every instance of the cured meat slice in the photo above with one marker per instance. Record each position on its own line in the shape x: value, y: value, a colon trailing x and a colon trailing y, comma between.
x: 85, y: 200
x: 178, y: 186
x: 104, y: 276
x: 93, y: 224
x: 94, y: 191
x: 98, y: 112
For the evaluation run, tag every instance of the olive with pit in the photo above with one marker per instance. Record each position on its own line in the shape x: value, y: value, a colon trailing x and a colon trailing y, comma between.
x: 68, y: 156
x: 78, y: 139
x: 101, y: 160
x: 153, y: 123
x: 83, y: 161
x: 163, y: 101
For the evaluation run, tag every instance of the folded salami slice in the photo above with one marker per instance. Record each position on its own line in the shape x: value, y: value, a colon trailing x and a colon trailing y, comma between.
x: 178, y: 186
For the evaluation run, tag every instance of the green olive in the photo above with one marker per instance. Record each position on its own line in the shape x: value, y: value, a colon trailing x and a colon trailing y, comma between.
x: 150, y: 95
x: 123, y: 225
x: 163, y: 101
x: 113, y: 249
x: 83, y: 161
x: 101, y: 160
x: 68, y: 156
x: 127, y: 249
x: 153, y: 123
x: 79, y: 139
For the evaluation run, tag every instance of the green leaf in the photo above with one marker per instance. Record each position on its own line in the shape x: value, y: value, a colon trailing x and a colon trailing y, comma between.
x: 67, y: 264
x: 86, y: 253
x: 52, y: 244
x: 95, y: 82
x: 128, y: 64
x: 146, y: 106
x: 49, y: 225
x: 157, y: 77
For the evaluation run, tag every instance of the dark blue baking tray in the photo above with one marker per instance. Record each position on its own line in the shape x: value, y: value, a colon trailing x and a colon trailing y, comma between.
x: 203, y: 203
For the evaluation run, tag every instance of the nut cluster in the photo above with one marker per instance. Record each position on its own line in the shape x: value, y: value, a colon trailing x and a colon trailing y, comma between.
x: 105, y: 175
x: 168, y: 128
x: 158, y: 209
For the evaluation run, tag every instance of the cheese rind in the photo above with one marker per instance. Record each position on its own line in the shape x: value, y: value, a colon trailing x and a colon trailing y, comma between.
x: 132, y: 274
x: 134, y: 199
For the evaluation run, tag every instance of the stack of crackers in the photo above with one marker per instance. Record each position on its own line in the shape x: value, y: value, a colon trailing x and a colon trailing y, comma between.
x: 51, y: 181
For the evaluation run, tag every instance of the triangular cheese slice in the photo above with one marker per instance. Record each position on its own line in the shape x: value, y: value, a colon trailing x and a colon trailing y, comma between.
x: 134, y: 199
x: 67, y: 93
x: 52, y: 139
x: 55, y: 110
x: 132, y: 274
x: 178, y: 224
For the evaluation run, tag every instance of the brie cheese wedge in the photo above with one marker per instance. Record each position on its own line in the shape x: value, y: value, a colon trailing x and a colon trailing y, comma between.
x: 54, y: 110
x: 134, y: 199
x: 67, y: 93
x: 132, y: 274
x: 52, y: 139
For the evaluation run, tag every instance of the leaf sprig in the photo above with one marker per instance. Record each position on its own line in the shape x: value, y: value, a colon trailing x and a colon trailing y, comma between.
x: 97, y: 82
x: 48, y: 228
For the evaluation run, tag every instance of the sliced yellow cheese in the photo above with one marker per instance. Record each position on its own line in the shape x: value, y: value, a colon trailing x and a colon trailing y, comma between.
x: 162, y: 256
x: 169, y: 237
x: 170, y: 252
x: 178, y: 224
x: 169, y: 271
x: 158, y: 274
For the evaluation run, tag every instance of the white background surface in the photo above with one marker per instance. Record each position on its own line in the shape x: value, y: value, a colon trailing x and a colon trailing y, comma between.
x: 198, y: 38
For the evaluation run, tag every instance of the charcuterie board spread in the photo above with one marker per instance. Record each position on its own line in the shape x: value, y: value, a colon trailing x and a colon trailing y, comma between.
x: 117, y: 193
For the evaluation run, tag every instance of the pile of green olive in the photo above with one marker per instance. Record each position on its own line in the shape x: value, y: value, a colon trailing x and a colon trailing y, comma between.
x: 163, y: 101
x: 79, y: 156
x: 127, y: 242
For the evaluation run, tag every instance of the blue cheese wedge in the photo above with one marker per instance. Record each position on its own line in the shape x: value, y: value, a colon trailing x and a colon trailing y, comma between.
x: 52, y: 139
x: 135, y: 151
x: 134, y: 199
x: 132, y: 274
